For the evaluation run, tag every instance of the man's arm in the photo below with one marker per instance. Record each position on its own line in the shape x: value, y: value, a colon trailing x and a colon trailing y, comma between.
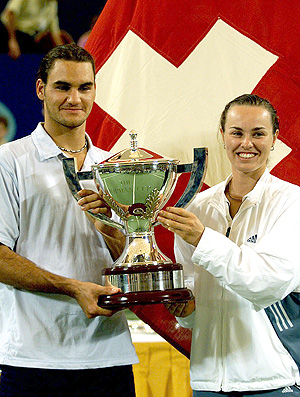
x: 56, y: 37
x: 55, y: 30
x: 21, y: 273
x: 114, y: 239
x: 14, y: 50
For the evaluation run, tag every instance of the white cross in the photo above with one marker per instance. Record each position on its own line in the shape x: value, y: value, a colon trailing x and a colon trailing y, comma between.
x: 176, y: 109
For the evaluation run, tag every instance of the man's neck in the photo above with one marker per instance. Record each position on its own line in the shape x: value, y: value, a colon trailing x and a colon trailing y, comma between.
x: 69, y: 138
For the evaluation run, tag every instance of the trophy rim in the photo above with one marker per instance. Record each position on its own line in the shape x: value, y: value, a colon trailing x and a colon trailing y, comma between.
x: 129, y: 164
x: 142, y: 268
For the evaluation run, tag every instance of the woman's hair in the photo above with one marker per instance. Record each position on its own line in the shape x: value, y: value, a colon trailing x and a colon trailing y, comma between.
x: 67, y: 52
x: 251, y: 100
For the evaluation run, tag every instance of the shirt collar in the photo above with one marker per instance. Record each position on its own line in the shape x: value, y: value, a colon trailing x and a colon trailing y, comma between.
x: 92, y: 153
x: 44, y: 144
x: 47, y: 148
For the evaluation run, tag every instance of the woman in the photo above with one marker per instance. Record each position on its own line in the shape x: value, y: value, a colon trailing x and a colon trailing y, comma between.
x: 241, y: 237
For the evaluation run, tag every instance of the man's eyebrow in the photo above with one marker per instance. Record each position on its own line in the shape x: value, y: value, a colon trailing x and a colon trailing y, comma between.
x: 59, y: 82
x: 90, y: 83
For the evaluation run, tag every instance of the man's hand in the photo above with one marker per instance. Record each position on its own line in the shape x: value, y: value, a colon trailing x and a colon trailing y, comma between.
x: 182, y: 309
x: 114, y: 238
x: 13, y: 48
x: 94, y: 202
x: 87, y: 295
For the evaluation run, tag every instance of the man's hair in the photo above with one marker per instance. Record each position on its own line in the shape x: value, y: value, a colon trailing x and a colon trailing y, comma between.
x: 67, y: 52
x: 251, y: 100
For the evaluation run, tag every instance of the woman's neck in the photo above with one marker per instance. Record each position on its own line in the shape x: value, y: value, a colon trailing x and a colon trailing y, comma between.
x: 238, y: 187
x: 242, y: 183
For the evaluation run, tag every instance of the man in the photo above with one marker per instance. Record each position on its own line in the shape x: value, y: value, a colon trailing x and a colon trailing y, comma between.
x: 51, y: 256
x: 30, y: 25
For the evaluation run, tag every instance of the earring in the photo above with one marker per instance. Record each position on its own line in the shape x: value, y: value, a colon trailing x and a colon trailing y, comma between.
x: 224, y: 146
x: 272, y: 148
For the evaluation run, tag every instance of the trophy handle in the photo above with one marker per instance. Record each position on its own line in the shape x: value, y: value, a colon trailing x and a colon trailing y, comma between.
x: 198, y: 171
x: 73, y: 179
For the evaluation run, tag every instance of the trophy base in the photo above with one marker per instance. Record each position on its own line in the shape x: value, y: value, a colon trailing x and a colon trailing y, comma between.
x: 144, y: 284
x: 119, y: 301
x: 145, y: 277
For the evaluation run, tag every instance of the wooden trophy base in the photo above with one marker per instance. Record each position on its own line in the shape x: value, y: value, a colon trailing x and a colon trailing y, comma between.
x: 122, y: 300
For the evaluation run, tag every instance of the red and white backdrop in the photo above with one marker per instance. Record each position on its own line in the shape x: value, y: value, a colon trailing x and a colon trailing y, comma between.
x: 167, y: 69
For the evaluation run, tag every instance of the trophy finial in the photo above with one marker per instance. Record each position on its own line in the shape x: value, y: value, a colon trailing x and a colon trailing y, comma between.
x: 133, y: 141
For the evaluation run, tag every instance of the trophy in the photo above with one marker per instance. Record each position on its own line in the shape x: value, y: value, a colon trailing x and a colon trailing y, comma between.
x: 136, y: 183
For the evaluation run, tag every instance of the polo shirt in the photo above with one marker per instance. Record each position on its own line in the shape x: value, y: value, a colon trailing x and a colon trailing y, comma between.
x: 41, y: 221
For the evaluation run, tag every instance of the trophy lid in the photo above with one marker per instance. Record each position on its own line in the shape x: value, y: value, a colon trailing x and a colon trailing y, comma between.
x: 135, y: 154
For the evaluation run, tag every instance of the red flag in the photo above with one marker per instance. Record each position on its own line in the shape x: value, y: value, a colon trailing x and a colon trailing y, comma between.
x: 166, y: 69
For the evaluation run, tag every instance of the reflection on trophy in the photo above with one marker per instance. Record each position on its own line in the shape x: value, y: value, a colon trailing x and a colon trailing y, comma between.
x: 136, y: 183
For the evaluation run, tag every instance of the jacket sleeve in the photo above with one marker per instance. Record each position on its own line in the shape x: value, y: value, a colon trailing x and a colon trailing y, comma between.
x: 187, y: 322
x: 183, y: 255
x: 263, y: 274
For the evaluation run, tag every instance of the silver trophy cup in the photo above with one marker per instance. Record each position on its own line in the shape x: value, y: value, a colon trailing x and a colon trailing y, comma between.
x: 136, y: 183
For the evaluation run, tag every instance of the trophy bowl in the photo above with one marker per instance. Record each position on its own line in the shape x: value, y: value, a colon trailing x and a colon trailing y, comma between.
x: 136, y: 183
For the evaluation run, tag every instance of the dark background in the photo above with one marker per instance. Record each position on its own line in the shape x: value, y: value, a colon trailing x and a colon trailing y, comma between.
x: 17, y: 78
x: 74, y: 15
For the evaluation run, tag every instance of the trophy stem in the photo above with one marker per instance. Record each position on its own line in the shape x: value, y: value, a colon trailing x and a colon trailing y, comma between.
x: 141, y: 248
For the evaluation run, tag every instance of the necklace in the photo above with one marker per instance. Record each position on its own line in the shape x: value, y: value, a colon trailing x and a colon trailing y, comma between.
x: 74, y: 151
x: 233, y: 198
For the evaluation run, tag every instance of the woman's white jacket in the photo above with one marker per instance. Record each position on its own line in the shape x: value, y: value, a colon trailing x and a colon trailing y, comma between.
x: 246, y: 288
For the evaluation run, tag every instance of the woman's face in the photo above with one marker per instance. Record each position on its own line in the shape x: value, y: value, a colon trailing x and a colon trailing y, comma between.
x: 248, y: 138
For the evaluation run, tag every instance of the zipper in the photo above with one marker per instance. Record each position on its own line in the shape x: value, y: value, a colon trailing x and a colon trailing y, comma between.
x: 223, y: 337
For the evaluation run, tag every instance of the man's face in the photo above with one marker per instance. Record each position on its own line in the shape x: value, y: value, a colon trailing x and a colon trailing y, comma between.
x: 68, y: 94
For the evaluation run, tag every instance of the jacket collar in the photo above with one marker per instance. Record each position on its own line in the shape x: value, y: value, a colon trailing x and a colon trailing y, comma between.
x: 252, y: 198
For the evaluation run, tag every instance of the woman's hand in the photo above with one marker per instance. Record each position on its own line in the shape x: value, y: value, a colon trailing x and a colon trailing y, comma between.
x: 182, y: 222
x: 182, y: 309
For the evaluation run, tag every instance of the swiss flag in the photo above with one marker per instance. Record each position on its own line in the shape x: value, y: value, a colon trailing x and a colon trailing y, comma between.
x: 167, y: 69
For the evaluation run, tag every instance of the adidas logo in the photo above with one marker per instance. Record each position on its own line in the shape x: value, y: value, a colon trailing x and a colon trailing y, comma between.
x: 287, y: 389
x: 252, y: 239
